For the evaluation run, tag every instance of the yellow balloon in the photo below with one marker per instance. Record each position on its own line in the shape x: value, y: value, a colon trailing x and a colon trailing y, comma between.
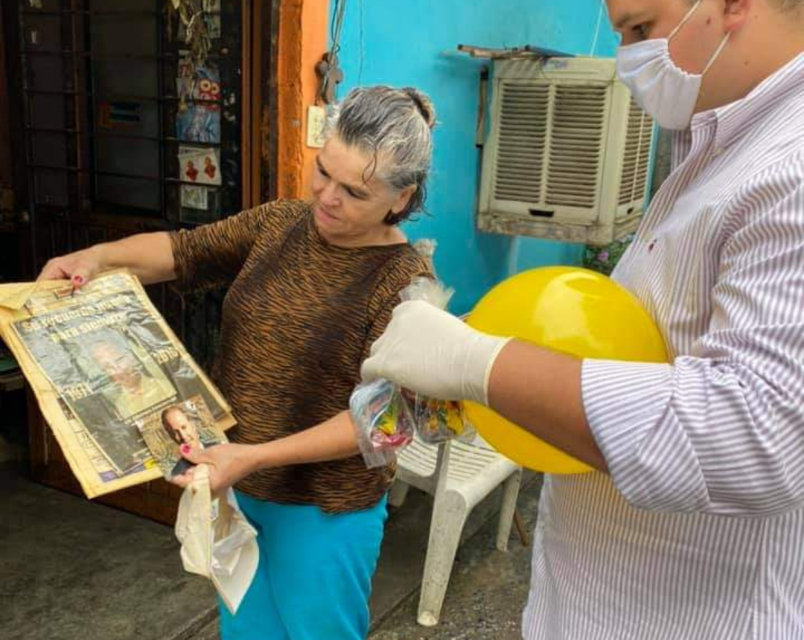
x: 567, y: 309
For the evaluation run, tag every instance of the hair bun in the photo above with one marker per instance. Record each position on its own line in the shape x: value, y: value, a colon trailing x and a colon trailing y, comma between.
x: 423, y: 104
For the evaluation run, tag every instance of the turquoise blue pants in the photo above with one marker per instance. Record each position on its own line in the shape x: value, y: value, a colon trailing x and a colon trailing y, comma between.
x: 314, y: 577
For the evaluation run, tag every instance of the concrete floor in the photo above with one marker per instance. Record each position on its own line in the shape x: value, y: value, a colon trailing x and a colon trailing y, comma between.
x: 487, y: 591
x: 71, y: 569
x: 74, y: 570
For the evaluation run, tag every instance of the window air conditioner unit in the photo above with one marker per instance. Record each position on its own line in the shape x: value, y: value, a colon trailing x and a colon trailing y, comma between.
x: 568, y: 153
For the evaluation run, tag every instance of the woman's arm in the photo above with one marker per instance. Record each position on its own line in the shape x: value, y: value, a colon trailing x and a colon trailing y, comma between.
x: 333, y: 439
x: 206, y: 257
x: 149, y: 256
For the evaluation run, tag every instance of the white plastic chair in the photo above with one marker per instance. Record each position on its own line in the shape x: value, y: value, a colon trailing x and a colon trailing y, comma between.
x: 458, y: 475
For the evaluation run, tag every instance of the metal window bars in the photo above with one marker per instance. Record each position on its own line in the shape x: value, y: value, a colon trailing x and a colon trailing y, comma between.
x: 61, y: 72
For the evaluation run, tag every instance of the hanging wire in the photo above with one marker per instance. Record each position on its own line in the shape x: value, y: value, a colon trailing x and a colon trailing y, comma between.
x: 338, y: 11
x: 330, y: 62
x: 600, y: 14
x: 362, y: 47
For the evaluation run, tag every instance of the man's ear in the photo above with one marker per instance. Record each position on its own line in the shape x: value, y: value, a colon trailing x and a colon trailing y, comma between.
x: 735, y: 14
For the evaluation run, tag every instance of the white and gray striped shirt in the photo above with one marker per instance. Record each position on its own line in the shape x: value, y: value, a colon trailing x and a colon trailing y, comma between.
x: 698, y: 532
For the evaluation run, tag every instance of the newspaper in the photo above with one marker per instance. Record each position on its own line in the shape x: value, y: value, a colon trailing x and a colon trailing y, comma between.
x: 184, y: 423
x: 99, y: 462
x: 102, y: 362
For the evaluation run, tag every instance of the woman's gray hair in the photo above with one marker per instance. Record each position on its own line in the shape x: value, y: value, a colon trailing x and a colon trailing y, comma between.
x: 395, y: 127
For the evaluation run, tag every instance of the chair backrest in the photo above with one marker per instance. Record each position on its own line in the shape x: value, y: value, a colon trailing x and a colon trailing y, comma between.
x: 431, y: 468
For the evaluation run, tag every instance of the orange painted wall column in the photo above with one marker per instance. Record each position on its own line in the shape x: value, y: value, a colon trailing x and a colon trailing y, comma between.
x: 303, y: 37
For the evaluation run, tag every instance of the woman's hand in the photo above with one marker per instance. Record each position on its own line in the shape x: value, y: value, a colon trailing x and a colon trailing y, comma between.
x: 149, y: 256
x: 228, y: 464
x: 79, y: 267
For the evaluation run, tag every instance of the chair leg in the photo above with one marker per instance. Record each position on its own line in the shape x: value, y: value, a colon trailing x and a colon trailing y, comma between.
x: 520, y: 529
x: 449, y: 516
x: 507, y: 509
x: 398, y: 493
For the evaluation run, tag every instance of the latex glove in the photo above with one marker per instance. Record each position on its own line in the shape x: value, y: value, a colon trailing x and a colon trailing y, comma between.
x: 435, y: 354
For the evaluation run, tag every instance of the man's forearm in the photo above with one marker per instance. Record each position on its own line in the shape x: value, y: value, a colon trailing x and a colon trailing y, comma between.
x: 540, y: 390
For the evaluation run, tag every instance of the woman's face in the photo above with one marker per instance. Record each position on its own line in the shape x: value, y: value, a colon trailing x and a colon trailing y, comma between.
x: 347, y: 208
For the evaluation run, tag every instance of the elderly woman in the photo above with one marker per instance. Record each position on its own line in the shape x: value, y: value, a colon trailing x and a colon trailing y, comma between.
x: 311, y: 286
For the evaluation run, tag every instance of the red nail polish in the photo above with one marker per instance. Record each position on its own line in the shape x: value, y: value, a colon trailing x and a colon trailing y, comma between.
x: 78, y: 280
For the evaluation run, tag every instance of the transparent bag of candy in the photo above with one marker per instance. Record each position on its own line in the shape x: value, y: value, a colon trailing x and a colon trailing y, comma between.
x: 386, y: 416
x: 384, y: 422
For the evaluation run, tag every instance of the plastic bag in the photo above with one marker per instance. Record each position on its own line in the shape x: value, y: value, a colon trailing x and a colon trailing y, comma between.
x: 438, y: 421
x: 384, y: 421
x: 217, y: 540
x: 386, y: 416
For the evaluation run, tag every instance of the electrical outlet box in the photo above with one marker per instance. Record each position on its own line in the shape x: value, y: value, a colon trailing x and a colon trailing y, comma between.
x: 316, y: 120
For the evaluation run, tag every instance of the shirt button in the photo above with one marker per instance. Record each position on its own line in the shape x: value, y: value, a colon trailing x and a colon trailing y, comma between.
x: 651, y: 245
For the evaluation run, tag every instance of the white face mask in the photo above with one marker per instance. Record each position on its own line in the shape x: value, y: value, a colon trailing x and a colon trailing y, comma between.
x: 666, y: 92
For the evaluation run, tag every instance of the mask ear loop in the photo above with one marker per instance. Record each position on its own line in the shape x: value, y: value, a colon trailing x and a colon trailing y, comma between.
x: 716, y: 54
x: 684, y: 20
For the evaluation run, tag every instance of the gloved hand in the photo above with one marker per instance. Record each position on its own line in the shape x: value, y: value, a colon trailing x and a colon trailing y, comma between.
x: 435, y: 354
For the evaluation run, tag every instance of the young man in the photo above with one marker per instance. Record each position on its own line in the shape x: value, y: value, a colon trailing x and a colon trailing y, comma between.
x: 693, y: 526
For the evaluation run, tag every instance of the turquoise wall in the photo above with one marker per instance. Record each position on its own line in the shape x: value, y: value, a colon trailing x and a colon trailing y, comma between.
x: 413, y: 42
